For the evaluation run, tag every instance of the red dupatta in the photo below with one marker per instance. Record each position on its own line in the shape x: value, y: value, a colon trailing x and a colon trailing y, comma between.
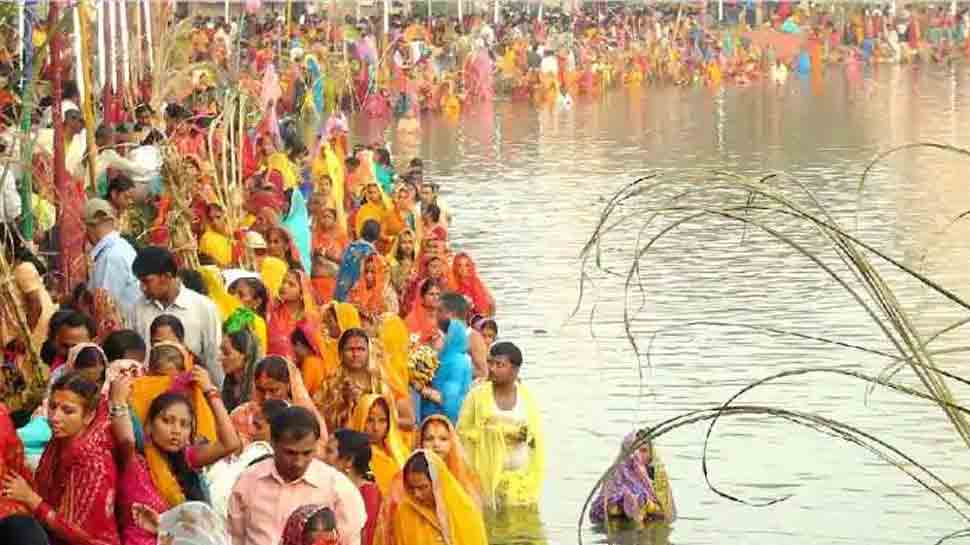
x: 471, y: 286
x: 77, y: 478
x: 11, y: 460
x: 370, y: 299
x: 281, y: 321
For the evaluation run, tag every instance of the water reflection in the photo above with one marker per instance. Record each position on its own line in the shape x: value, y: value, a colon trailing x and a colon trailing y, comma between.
x: 516, y: 526
x: 632, y: 534
x: 527, y: 187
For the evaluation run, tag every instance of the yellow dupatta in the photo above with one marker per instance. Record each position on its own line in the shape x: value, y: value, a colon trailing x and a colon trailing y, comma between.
x: 347, y: 317
x: 455, y: 519
x: 329, y: 161
x: 279, y: 162
x: 227, y: 303
x: 217, y: 246
x: 273, y: 270
x: 484, y: 439
x: 144, y: 390
x: 396, y: 340
x: 388, y: 458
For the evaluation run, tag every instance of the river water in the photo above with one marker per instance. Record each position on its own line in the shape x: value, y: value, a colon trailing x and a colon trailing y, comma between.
x: 527, y: 188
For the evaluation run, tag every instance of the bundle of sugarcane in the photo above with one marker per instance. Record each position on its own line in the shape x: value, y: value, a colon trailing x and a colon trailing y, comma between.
x: 23, y: 390
x: 180, y: 177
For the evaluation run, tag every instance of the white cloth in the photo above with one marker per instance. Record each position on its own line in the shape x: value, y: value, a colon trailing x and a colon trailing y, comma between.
x: 10, y: 203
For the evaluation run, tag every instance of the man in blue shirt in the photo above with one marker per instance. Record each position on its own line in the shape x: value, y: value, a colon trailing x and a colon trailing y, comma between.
x: 111, y: 256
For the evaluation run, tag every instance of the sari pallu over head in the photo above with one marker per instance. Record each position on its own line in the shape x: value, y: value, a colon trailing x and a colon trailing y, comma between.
x: 456, y: 460
x: 296, y: 524
x: 455, y: 519
x: 471, y: 286
x: 282, y: 322
x: 640, y: 492
x: 77, y: 477
x: 370, y: 299
x: 454, y: 375
x: 388, y: 458
x: 144, y: 391
x: 351, y: 267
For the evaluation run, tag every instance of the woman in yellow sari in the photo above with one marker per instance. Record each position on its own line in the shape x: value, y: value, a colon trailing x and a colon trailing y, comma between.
x: 429, y: 505
x: 215, y: 242
x: 231, y: 308
x: 439, y: 436
x: 375, y: 416
x: 375, y: 206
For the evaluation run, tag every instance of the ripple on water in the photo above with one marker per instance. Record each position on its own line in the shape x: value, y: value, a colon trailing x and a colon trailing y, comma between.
x: 528, y: 188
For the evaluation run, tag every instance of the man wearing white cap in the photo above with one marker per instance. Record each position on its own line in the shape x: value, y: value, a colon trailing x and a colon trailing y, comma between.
x: 111, y: 255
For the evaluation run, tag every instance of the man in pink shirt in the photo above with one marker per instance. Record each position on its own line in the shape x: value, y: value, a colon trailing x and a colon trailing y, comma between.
x: 268, y: 492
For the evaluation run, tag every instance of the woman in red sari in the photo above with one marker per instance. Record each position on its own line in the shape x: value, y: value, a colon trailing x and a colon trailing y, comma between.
x: 294, y: 303
x: 77, y: 475
x: 465, y: 280
x: 12, y: 462
x: 432, y: 267
x: 373, y: 294
x: 422, y: 320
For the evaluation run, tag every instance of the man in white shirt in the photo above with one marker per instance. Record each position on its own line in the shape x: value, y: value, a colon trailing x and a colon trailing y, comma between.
x: 111, y: 255
x: 163, y: 293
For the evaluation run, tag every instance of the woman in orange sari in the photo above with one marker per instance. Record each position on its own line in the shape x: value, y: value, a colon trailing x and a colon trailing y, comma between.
x: 375, y: 416
x: 423, y: 318
x: 372, y: 294
x: 465, y: 280
x: 329, y: 237
x: 294, y: 303
x: 309, y: 349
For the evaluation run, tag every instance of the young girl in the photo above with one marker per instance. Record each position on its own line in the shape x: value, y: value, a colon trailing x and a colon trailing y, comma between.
x: 168, y: 474
x: 294, y: 303
x: 312, y: 525
x: 351, y: 452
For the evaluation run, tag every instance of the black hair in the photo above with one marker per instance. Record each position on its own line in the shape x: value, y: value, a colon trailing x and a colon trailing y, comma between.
x: 172, y: 322
x: 272, y: 407
x: 508, y: 350
x: 293, y: 424
x: 274, y: 367
x: 192, y: 279
x: 371, y: 231
x: 260, y: 290
x: 383, y: 156
x: 70, y: 90
x: 143, y: 108
x: 88, y: 358
x: 78, y: 384
x: 454, y: 303
x: 117, y: 343
x: 350, y: 334
x: 416, y: 163
x: 22, y: 530
x: 103, y: 131
x: 298, y: 337
x: 433, y: 211
x: 352, y: 163
x: 117, y: 185
x: 417, y: 463
x: 16, y: 248
x: 323, y: 520
x: 427, y: 285
x: 354, y: 446
x: 74, y: 318
x: 189, y: 480
x: 72, y: 115
x: 154, y: 260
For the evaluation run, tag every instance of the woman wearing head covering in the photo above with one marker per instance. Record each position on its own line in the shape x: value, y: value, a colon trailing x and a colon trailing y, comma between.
x: 376, y: 416
x: 313, y: 524
x: 234, y: 313
x: 428, y: 505
x: 438, y: 435
x: 340, y: 394
x: 311, y: 356
x: 294, y: 303
x: 637, y: 489
x: 422, y: 320
x: 297, y: 223
x: 239, y: 353
x: 465, y: 280
x: 12, y: 461
x: 372, y: 293
x: 77, y: 475
x: 454, y: 376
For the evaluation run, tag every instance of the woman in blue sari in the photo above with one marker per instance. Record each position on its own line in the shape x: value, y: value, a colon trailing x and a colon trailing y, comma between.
x: 454, y: 376
x: 353, y: 259
x: 297, y: 222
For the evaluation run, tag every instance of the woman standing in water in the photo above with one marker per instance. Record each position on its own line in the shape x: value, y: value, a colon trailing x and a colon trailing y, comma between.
x: 637, y: 490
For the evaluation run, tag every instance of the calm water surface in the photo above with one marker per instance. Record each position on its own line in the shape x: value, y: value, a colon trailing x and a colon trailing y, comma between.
x: 527, y: 188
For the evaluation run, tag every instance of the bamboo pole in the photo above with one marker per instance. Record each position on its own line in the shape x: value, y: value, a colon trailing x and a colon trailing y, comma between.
x: 27, y: 101
x: 87, y: 94
x: 148, y: 35
x: 112, y: 31
x: 61, y: 180
x: 21, y: 44
x: 123, y: 31
x: 102, y: 51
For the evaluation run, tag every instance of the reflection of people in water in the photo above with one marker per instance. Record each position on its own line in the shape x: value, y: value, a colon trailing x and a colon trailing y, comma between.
x: 637, y: 490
